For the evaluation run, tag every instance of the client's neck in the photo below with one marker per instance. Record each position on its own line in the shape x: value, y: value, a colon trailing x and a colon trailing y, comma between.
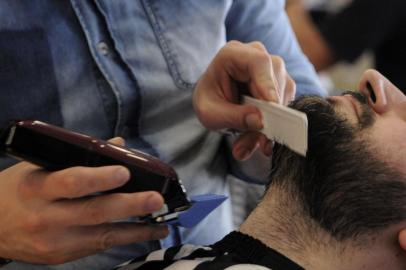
x: 281, y: 225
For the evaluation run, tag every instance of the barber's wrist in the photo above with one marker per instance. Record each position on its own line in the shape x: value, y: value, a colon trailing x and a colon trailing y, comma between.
x: 297, y: 3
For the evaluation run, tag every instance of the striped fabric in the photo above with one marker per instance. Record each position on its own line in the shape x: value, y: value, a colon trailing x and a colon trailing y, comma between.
x: 236, y: 251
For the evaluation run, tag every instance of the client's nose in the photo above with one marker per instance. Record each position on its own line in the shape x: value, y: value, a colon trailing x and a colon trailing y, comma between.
x: 371, y: 92
x: 373, y: 87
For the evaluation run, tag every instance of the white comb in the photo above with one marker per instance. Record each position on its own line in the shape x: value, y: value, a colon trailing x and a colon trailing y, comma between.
x: 282, y: 124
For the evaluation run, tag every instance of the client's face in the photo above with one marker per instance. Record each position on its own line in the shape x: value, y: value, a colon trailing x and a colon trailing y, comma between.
x: 353, y: 179
x: 386, y: 104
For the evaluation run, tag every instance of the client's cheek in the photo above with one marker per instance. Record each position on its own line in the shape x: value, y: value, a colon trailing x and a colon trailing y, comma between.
x: 344, y: 109
x: 387, y: 142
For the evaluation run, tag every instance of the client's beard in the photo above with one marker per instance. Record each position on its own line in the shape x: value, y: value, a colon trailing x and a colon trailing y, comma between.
x: 340, y: 184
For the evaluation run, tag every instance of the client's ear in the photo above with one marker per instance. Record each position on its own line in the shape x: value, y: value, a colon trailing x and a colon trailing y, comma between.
x: 402, y: 239
x: 399, y: 231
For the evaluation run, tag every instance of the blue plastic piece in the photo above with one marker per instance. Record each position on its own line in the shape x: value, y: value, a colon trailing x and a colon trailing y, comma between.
x: 202, y: 205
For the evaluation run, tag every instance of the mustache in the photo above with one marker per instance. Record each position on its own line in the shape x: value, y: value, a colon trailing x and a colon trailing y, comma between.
x: 367, y: 117
x: 357, y: 95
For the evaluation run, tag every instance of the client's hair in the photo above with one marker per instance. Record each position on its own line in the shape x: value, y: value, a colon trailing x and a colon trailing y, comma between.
x: 340, y: 184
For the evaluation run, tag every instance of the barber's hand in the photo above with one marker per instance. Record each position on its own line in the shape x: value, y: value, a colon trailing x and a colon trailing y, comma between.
x: 216, y: 94
x: 45, y: 218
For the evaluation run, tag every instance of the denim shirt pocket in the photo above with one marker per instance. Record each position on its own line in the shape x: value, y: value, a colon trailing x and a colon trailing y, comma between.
x: 27, y: 80
x: 190, y: 33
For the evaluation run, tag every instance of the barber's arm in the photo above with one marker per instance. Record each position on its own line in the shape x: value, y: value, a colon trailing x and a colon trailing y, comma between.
x: 362, y: 25
x: 46, y: 218
x: 310, y: 39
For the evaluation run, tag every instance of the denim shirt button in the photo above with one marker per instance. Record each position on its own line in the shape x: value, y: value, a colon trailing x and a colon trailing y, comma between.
x: 103, y: 48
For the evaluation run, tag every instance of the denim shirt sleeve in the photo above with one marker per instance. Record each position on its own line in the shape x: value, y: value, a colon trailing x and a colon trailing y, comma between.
x: 266, y: 21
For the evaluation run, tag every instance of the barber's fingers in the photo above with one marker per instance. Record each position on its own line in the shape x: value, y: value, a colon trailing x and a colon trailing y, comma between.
x: 249, y: 63
x: 73, y: 182
x: 276, y: 69
x: 106, y: 208
x: 239, y: 117
x: 82, y: 241
x: 283, y: 83
x: 290, y: 91
x: 245, y: 145
x: 218, y: 113
x: 216, y: 95
x: 105, y: 236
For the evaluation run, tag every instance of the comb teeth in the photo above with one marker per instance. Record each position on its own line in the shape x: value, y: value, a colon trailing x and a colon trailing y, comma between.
x: 282, y: 124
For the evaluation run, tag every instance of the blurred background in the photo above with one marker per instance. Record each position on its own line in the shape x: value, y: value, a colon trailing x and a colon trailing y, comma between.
x: 343, y: 38
x: 342, y: 75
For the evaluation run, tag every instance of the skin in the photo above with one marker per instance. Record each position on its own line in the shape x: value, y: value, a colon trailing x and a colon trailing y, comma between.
x: 47, y: 218
x: 215, y: 97
x: 388, y: 133
x: 390, y: 110
x: 312, y: 247
x: 310, y: 39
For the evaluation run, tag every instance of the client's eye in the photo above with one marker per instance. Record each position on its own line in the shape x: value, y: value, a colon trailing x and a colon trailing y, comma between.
x: 371, y: 92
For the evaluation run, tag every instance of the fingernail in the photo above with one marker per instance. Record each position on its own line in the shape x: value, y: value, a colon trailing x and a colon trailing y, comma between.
x: 253, y: 121
x: 268, y: 94
x: 154, y: 203
x: 122, y: 175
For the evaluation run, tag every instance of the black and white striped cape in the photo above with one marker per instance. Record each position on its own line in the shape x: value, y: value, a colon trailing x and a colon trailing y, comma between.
x: 236, y: 251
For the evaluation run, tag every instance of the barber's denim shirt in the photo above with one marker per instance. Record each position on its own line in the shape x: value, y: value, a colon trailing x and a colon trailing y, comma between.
x: 128, y: 68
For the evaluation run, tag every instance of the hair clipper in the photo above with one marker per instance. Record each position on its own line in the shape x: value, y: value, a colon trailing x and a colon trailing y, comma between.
x: 55, y: 148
